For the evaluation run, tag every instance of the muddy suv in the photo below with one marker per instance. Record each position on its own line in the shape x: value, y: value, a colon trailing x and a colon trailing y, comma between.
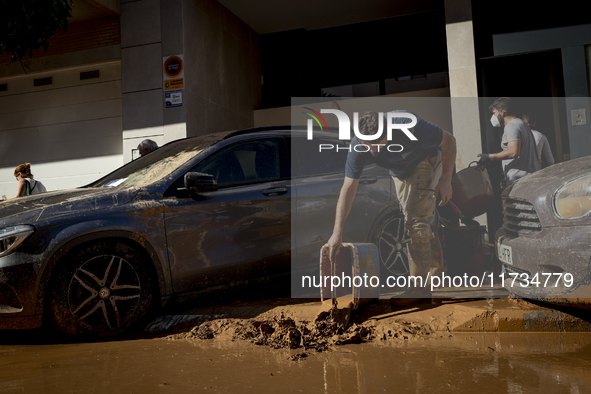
x: 545, y: 241
x: 207, y: 212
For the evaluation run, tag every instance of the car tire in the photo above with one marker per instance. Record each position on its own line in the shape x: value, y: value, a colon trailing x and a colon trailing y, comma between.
x: 392, y: 239
x: 101, y: 290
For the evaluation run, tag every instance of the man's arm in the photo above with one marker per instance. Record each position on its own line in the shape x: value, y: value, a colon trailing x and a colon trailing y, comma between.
x: 448, y: 153
x: 344, y: 204
x: 513, y: 150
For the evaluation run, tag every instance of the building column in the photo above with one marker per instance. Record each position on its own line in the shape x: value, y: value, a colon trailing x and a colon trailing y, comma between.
x: 463, y: 84
x: 462, y: 81
x: 149, y: 31
x: 577, y: 100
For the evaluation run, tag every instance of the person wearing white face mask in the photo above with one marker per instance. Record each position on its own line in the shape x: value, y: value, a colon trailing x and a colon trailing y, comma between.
x: 519, y: 154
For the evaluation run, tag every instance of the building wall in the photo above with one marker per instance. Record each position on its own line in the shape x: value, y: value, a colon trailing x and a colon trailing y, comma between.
x: 223, y: 70
x: 80, y: 37
x: 571, y: 41
x: 141, y: 69
x: 69, y: 130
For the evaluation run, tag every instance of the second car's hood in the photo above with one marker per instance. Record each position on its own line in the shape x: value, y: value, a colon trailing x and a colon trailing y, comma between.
x: 539, y: 187
x: 46, y: 205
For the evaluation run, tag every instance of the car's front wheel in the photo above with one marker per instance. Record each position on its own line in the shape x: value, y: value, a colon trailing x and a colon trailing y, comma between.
x: 392, y: 243
x: 392, y: 239
x: 103, y: 289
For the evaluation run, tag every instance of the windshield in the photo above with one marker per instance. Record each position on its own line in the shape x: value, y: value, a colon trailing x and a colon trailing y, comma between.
x: 159, y: 163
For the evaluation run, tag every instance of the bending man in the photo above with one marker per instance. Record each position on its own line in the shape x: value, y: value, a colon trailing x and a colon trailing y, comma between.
x: 421, y: 171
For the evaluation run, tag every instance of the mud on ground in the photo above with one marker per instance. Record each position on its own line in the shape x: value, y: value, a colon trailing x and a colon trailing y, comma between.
x: 307, y: 327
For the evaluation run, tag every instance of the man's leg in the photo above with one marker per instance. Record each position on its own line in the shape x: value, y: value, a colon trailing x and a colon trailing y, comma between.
x: 436, y: 267
x: 417, y: 197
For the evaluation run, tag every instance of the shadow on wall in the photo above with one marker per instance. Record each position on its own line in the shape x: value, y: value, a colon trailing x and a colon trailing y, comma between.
x: 72, y: 160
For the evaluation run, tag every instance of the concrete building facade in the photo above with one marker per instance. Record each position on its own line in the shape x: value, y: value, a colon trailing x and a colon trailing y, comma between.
x: 78, y: 111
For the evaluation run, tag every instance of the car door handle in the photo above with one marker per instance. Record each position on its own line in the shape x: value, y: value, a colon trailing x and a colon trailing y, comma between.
x: 366, y: 180
x: 275, y: 191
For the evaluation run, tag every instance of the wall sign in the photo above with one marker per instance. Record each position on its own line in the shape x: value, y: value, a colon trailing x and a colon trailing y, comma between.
x: 174, y: 80
x: 174, y: 84
x: 173, y: 66
x: 173, y: 98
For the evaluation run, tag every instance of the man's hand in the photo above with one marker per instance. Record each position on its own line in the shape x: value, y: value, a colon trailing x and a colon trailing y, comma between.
x: 444, y: 188
x: 334, y: 243
x: 344, y: 204
x: 484, y: 157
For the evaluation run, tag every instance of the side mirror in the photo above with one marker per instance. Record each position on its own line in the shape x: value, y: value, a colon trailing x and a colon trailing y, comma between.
x: 200, y: 182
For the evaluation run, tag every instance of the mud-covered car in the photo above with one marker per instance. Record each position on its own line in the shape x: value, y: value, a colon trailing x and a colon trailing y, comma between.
x: 203, y: 213
x: 545, y: 241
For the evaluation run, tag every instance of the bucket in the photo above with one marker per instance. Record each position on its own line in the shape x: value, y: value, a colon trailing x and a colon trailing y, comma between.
x: 352, y: 260
x: 463, y: 250
x: 472, y: 190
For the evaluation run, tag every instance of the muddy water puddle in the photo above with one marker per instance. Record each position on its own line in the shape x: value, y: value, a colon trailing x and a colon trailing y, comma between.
x: 462, y: 363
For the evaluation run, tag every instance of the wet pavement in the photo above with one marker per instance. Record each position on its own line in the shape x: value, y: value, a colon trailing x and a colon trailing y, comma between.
x: 459, y: 363
x: 456, y: 346
x: 444, y: 315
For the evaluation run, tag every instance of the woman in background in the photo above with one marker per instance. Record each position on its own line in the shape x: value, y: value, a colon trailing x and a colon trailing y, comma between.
x: 26, y: 184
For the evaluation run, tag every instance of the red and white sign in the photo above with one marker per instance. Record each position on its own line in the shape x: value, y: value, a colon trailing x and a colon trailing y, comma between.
x: 173, y: 68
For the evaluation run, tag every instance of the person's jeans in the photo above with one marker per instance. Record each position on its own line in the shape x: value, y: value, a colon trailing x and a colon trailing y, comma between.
x: 417, y: 198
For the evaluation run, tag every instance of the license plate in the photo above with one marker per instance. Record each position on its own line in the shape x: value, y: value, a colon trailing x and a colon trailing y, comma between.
x: 505, y: 254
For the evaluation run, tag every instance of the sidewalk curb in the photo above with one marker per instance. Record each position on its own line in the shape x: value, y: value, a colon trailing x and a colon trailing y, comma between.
x: 500, y: 315
x: 452, y: 315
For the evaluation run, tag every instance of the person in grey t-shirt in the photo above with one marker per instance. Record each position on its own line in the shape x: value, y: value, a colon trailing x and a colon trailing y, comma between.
x: 519, y: 154
x: 542, y: 143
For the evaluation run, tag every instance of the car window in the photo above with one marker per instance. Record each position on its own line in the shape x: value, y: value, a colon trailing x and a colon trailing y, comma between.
x: 159, y: 163
x: 313, y: 161
x: 244, y: 162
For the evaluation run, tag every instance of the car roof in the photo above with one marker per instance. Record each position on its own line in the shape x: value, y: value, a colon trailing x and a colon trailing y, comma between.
x: 264, y: 129
x: 284, y: 130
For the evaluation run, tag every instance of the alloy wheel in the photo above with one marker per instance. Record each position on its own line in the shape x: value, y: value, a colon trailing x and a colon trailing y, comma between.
x: 104, y: 293
x: 393, y: 247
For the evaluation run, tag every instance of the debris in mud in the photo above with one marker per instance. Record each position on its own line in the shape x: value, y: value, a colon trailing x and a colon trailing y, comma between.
x: 298, y: 356
x: 281, y: 332
x: 175, y: 322
x: 204, y: 332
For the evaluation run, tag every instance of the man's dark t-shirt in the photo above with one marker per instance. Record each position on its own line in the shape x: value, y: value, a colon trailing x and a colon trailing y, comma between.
x: 400, y: 164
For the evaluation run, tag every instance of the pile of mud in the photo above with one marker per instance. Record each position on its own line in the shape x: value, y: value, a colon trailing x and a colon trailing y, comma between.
x: 281, y: 332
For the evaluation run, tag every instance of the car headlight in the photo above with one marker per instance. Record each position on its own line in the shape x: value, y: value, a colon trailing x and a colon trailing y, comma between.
x: 573, y: 200
x: 11, y: 237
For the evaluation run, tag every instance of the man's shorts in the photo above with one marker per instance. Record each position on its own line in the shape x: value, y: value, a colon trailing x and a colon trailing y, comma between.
x: 417, y: 196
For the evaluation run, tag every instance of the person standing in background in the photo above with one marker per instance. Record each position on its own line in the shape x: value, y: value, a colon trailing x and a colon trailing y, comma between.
x: 26, y: 184
x: 147, y: 146
x: 519, y: 154
x: 542, y: 143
